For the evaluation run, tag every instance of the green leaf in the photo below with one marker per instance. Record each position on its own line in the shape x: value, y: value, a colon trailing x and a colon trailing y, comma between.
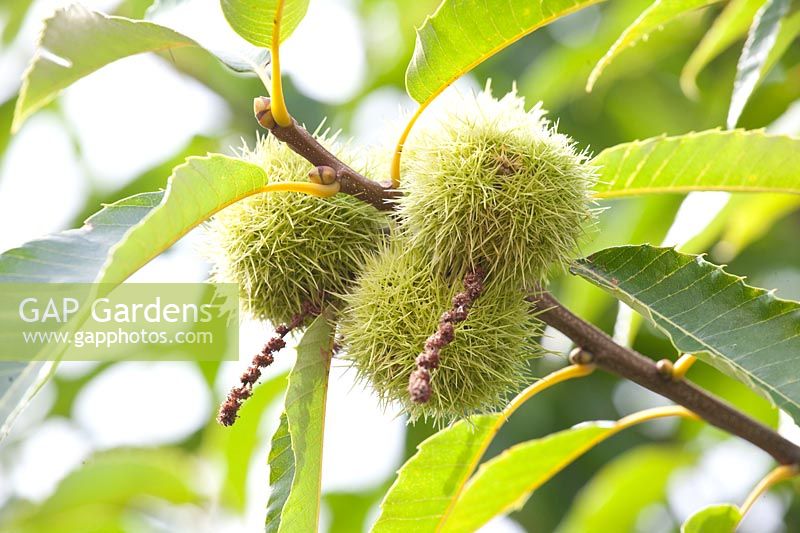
x: 735, y: 393
x: 754, y: 219
x: 462, y: 34
x: 641, y: 475
x: 90, y: 518
x: 76, y: 256
x: 76, y: 42
x: 197, y: 189
x: 505, y: 483
x: 427, y: 483
x: 119, y: 476
x: 71, y: 256
x: 118, y: 241
x: 727, y: 28
x: 723, y: 518
x: 745, y: 332
x: 661, y: 12
x: 349, y: 511
x: 760, y: 40
x: 296, y: 456
x: 252, y: 19
x: 433, y: 491
x: 736, y: 161
x: 281, y: 474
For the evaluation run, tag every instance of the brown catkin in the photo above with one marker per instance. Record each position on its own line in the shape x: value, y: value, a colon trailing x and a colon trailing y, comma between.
x: 419, y: 384
x: 229, y: 410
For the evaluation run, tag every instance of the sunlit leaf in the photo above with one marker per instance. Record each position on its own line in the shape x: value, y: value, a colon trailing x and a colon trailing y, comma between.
x: 296, y: 455
x: 120, y: 475
x: 118, y: 241
x: 89, y: 518
x: 197, y: 189
x: 754, y: 219
x: 462, y: 34
x: 728, y: 27
x: 723, y: 518
x: 736, y: 161
x: 74, y: 256
x: 760, y: 40
x: 641, y: 475
x: 505, y: 482
x: 253, y: 19
x: 76, y: 42
x: 745, y: 332
x: 787, y: 33
x: 427, y: 484
x: 661, y: 12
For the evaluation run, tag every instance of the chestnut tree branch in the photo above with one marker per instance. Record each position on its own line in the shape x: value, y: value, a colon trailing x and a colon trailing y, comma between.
x: 606, y: 353
x: 627, y: 363
x: 301, y: 141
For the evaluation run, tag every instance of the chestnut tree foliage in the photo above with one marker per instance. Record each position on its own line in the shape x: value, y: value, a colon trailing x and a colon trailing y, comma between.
x: 616, y: 88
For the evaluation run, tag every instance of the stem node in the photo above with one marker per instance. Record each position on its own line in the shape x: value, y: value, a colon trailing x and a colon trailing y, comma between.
x: 262, y: 109
x: 322, y: 175
x: 665, y: 369
x: 579, y: 356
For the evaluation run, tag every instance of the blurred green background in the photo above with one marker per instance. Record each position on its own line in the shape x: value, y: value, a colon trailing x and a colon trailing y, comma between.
x: 134, y: 446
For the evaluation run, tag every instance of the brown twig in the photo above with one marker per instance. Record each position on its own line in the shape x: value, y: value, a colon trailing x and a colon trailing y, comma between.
x: 302, y: 142
x: 631, y: 365
x: 419, y: 383
x: 229, y: 410
x: 607, y: 354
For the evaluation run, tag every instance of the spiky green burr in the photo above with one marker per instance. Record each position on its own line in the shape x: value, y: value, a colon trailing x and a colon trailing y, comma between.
x: 490, y: 184
x: 396, y: 306
x: 285, y: 249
